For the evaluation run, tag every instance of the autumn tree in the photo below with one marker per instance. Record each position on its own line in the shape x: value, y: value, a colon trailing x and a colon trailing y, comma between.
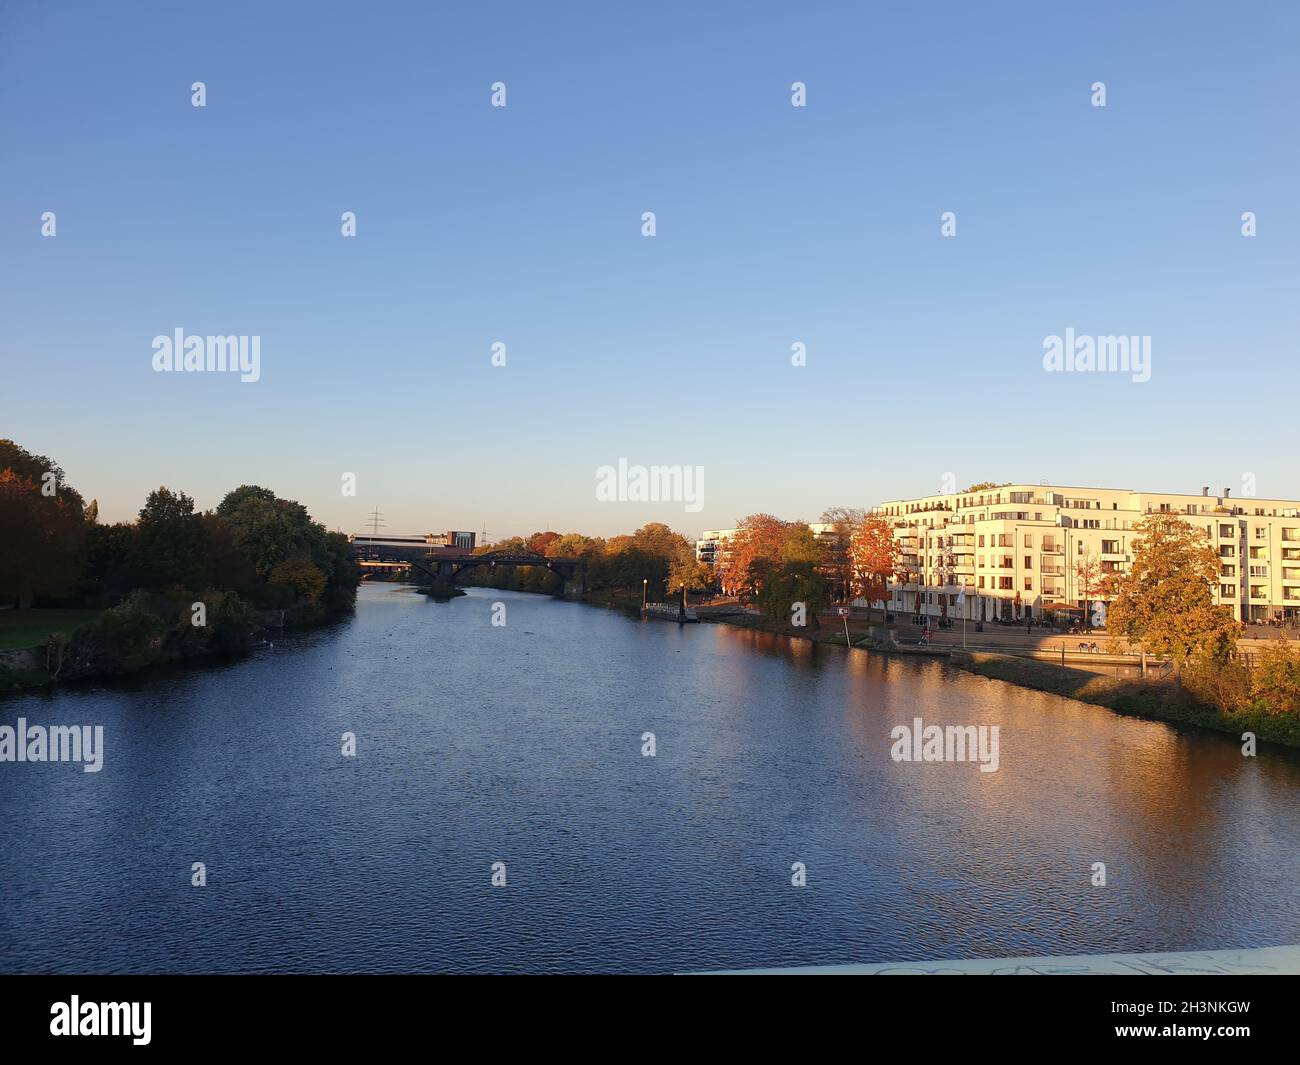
x: 837, y: 560
x: 1166, y: 599
x: 753, y: 552
x: 539, y: 543
x: 875, y: 558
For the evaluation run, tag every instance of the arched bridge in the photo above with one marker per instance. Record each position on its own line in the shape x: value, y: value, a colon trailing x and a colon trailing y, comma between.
x: 446, y: 563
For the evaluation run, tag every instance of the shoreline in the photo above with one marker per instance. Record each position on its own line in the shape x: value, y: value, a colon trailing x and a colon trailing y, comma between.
x: 1149, y: 699
x: 17, y: 680
x: 1152, y: 700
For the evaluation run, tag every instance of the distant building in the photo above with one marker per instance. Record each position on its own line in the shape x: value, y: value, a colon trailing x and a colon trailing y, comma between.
x: 463, y: 541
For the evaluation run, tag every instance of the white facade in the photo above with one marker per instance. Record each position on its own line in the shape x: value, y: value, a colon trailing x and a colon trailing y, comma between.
x: 1017, y: 548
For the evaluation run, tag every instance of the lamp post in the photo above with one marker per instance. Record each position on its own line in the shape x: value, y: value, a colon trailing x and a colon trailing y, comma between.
x: 644, y: 582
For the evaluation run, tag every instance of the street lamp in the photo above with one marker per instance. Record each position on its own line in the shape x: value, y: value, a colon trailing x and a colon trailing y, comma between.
x: 644, y: 582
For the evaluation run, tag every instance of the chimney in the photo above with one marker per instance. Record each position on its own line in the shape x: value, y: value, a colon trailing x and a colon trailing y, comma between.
x: 1227, y: 492
x: 1205, y: 491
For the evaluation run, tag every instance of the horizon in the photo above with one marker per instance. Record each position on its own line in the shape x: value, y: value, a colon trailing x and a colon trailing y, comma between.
x: 776, y: 226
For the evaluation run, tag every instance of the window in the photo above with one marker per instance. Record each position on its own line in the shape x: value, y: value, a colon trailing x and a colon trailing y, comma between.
x: 981, y: 539
x: 1029, y: 540
x: 1029, y: 562
x: 1110, y: 547
x: 1029, y: 584
x: 1227, y: 591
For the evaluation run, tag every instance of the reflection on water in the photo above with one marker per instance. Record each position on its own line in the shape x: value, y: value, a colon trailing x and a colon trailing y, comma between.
x: 522, y: 744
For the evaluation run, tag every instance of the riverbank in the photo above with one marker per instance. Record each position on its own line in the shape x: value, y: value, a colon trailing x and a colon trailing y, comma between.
x: 143, y: 633
x: 1157, y: 699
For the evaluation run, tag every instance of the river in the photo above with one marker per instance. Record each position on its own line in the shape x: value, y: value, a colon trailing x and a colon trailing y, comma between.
x: 522, y: 744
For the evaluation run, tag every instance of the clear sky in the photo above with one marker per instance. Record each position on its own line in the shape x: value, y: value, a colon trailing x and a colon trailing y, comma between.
x: 522, y: 224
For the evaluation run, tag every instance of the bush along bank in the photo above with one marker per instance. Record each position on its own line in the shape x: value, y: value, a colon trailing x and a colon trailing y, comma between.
x: 152, y: 629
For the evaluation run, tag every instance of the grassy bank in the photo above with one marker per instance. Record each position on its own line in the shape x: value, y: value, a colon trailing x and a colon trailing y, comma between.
x: 32, y: 628
x: 1157, y: 699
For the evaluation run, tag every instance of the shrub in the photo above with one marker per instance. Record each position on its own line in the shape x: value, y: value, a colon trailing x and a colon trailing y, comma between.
x: 302, y: 576
x: 1220, y: 683
x: 120, y: 640
x: 1275, y: 680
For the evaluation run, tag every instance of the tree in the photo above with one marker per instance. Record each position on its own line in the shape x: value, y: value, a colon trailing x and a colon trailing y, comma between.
x: 268, y: 530
x: 688, y: 573
x: 540, y: 543
x: 838, y: 556
x: 751, y: 553
x: 1276, y: 678
x: 1166, y: 600
x: 301, y: 576
x: 105, y: 562
x: 42, y: 526
x: 795, y: 577
x: 875, y: 556
x: 1088, y: 573
x: 170, y: 545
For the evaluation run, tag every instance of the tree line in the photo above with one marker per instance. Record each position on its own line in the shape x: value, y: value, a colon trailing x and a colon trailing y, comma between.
x: 159, y: 576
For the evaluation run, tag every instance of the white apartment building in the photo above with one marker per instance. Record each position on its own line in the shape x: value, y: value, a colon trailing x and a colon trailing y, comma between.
x: 1016, y: 549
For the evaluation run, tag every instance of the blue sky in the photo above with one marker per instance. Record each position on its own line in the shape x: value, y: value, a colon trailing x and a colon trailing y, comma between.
x: 522, y: 225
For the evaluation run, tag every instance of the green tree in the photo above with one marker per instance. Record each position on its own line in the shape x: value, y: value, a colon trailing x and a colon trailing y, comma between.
x: 170, y: 545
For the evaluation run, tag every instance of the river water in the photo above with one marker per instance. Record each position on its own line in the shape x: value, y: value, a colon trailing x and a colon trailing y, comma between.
x: 522, y: 744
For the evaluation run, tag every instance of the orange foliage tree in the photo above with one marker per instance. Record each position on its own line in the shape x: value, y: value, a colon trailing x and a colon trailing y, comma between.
x: 875, y: 559
x: 755, y: 551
